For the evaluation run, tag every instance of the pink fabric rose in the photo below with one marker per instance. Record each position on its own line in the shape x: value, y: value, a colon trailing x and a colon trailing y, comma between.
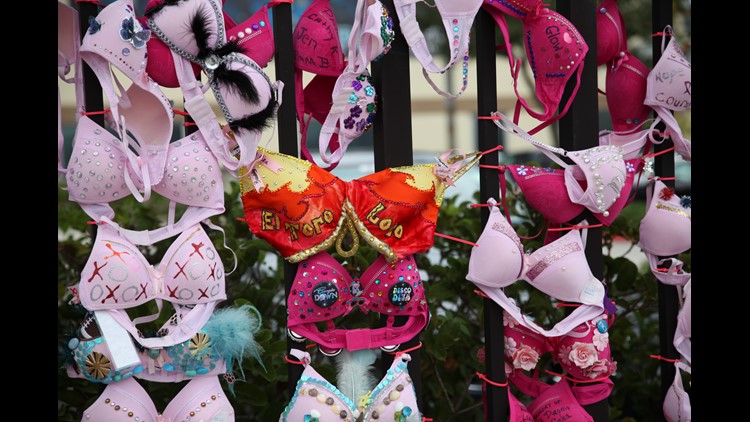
x: 583, y: 355
x: 525, y: 358
x: 600, y: 368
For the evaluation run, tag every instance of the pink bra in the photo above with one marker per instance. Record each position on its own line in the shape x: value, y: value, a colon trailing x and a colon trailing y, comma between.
x: 626, y: 91
x: 559, y: 269
x: 393, y: 399
x: 117, y: 276
x: 677, y: 407
x: 555, y: 51
x: 116, y: 38
x: 595, y: 180
x: 245, y: 94
x: 68, y: 44
x: 665, y: 229
x: 323, y: 291
x: 353, y: 98
x: 254, y: 36
x: 126, y: 401
x: 611, y: 37
x: 669, y: 89
x: 457, y: 18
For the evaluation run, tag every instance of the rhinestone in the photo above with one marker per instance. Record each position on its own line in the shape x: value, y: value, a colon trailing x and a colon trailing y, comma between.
x: 95, y: 153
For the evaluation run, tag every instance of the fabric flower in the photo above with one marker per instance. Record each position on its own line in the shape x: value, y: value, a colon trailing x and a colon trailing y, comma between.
x: 508, y: 321
x: 600, y: 368
x: 525, y: 358
x: 522, y: 171
x: 349, y: 122
x: 583, y: 354
x: 510, y: 346
x: 361, y: 125
x: 371, y: 107
x: 369, y: 91
x: 600, y: 340
x: 353, y: 98
x: 357, y: 85
x: 686, y: 201
x: 666, y: 193
x: 630, y: 167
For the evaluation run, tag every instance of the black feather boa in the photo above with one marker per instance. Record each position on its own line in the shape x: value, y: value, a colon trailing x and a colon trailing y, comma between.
x: 158, y: 8
x: 256, y: 122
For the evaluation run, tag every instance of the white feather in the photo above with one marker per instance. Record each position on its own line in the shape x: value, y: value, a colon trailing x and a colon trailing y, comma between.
x: 354, y: 377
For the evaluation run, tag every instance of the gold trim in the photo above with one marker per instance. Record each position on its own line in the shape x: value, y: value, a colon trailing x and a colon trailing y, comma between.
x: 302, y: 255
x: 349, y: 226
x: 661, y: 206
x: 371, y: 239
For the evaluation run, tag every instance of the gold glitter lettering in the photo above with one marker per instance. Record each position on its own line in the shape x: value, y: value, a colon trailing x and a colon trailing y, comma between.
x: 328, y: 216
x: 372, y: 216
x: 307, y: 230
x: 317, y: 222
x: 292, y: 229
x: 675, y: 210
x: 385, y: 224
x: 270, y: 221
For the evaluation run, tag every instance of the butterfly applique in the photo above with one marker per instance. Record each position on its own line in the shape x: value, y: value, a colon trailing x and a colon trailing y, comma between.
x: 94, y: 25
x: 134, y: 34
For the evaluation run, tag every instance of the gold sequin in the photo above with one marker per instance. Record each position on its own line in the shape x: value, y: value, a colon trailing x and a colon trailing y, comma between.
x: 302, y: 255
x: 676, y: 210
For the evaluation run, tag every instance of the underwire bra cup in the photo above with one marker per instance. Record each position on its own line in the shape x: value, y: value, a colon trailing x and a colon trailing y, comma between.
x: 602, y: 171
x: 497, y: 260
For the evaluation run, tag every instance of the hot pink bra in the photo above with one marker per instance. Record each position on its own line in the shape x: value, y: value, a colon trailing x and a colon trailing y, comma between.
x: 393, y: 399
x: 323, y: 290
x: 126, y: 401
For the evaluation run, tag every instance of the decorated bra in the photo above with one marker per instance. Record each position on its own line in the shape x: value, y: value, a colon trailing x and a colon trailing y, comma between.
x: 665, y: 231
x: 392, y: 399
x: 127, y: 401
x: 555, y: 50
x: 677, y: 406
x: 301, y: 209
x: 226, y: 338
x: 457, y: 18
x: 340, y: 95
x: 254, y: 36
x: 116, y: 39
x: 118, y: 277
x: 353, y: 98
x: 668, y: 89
x: 559, y: 269
x: 323, y: 290
x: 595, y: 180
x: 68, y: 44
x: 195, y: 32
x: 626, y: 92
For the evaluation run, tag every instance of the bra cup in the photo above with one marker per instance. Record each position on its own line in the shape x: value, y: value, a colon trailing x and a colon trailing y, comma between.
x: 192, y: 175
x: 676, y: 406
x: 560, y: 270
x: 558, y: 403
x: 192, y: 396
x: 372, y: 45
x: 97, y: 165
x: 610, y: 32
x: 174, y: 22
x: 316, y: 42
x: 237, y: 106
x: 665, y: 229
x: 669, y: 82
x: 130, y: 399
x: 626, y: 92
x: 545, y: 190
x: 498, y: 259
x: 602, y: 170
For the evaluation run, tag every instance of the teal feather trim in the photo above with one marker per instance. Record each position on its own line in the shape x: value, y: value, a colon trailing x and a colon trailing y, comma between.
x: 354, y: 377
x: 232, y: 331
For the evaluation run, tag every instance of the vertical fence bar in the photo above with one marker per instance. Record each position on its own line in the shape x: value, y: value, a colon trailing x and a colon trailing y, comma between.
x: 496, y: 399
x: 392, y: 135
x: 661, y: 15
x: 579, y: 129
x: 286, y: 127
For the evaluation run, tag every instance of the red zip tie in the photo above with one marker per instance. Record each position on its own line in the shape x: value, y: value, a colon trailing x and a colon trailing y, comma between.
x: 401, y: 352
x: 662, y: 178
x: 567, y: 305
x: 296, y: 362
x: 659, y: 357
x: 181, y: 113
x: 94, y: 223
x: 187, y: 124
x: 497, y: 148
x: 488, y: 118
x: 654, y: 154
x: 456, y: 239
x: 577, y: 381
x: 94, y: 113
x: 96, y: 2
x: 482, y: 205
x: 481, y: 293
x: 240, y: 219
x: 426, y: 419
x: 489, y: 381
x: 558, y: 229
x: 487, y: 166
